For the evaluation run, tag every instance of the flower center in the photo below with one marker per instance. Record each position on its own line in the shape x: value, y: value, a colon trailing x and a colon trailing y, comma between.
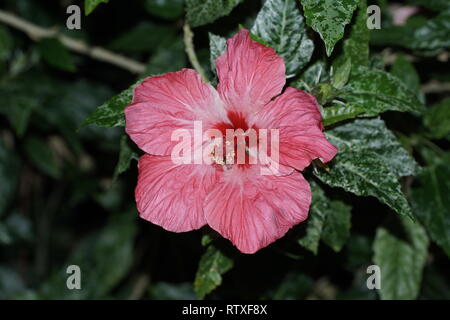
x: 238, y: 142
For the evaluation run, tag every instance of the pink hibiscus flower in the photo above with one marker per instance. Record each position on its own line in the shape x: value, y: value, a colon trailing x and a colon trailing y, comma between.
x: 248, y: 208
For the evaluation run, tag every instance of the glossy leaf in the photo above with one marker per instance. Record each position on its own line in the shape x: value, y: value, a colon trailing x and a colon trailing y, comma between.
x: 437, y: 5
x: 24, y: 94
x: 200, y: 12
x: 169, y: 58
x: 104, y: 259
x: 434, y: 34
x: 217, y: 46
x: 337, y: 225
x: 366, y: 174
x: 16, y: 227
x: 341, y: 74
x: 401, y: 261
x: 90, y: 5
x: 437, y: 119
x: 371, y: 135
x: 431, y: 35
x: 317, y: 214
x: 125, y: 156
x: 328, y: 220
x: 41, y: 155
x: 169, y: 291
x: 213, y: 264
x: 369, y: 163
x: 339, y: 112
x: 377, y: 91
x: 294, y: 286
x: 167, y: 9
x: 356, y: 46
x: 280, y: 25
x: 329, y: 18
x: 144, y: 37
x: 110, y: 114
x: 11, y: 282
x: 313, y: 75
x: 56, y: 55
x: 431, y: 202
x: 405, y: 71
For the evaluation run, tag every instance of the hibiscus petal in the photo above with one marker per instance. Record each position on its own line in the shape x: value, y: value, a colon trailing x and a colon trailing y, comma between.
x: 171, y: 101
x: 296, y: 115
x: 253, y: 210
x: 250, y: 74
x: 171, y: 195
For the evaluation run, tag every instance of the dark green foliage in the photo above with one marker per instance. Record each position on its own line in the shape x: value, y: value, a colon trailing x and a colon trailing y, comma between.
x: 68, y: 170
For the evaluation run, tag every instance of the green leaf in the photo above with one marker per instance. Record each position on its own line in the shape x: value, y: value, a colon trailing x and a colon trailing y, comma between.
x: 167, y: 9
x: 41, y: 155
x: 438, y: 5
x: 125, y: 156
x: 23, y: 94
x: 19, y: 114
x: 110, y: 114
x: 401, y: 261
x: 427, y: 37
x: 359, y: 252
x: 16, y: 227
x: 200, y: 12
x: 369, y: 163
x: 144, y: 37
x: 371, y: 135
x: 337, y: 225
x: 356, y: 46
x: 9, y: 175
x: 338, y: 112
x: 377, y: 91
x: 431, y: 202
x: 280, y: 25
x: 6, y: 46
x: 67, y: 108
x: 56, y: 55
x: 325, y: 93
x: 206, y: 240
x: 169, y: 291
x: 104, y: 257
x: 213, y: 264
x: 317, y: 214
x: 341, y: 74
x: 294, y: 286
x: 405, y: 71
x: 313, y: 75
x: 90, y: 5
x: 217, y: 46
x: 376, y: 62
x: 329, y: 18
x: 328, y: 220
x: 170, y: 58
x: 366, y: 174
x: 11, y: 282
x: 434, y: 34
x: 437, y: 119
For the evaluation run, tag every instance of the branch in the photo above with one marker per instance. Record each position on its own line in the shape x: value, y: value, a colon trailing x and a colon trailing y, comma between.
x: 190, y: 51
x: 37, y: 33
x: 436, y: 87
x: 389, y: 57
